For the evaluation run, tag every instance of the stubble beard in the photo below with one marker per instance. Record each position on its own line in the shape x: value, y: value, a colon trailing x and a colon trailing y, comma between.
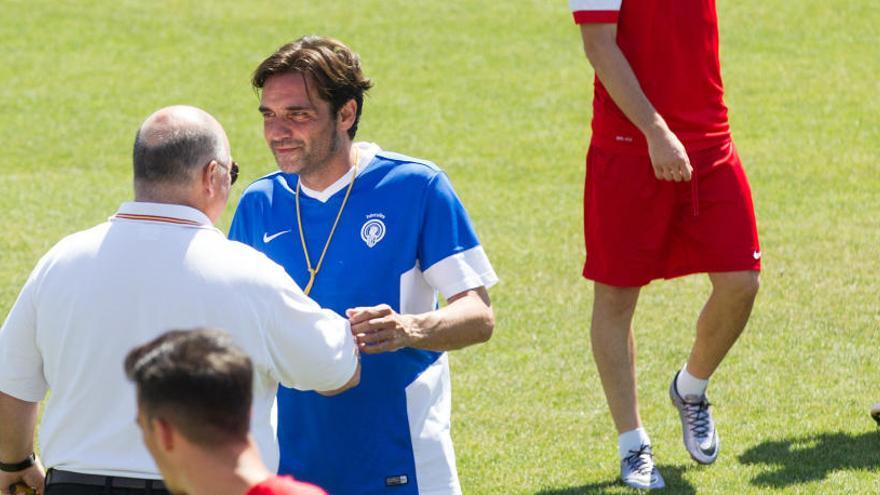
x: 316, y: 159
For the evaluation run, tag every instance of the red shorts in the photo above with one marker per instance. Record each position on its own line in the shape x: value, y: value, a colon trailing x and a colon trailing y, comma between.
x: 638, y: 228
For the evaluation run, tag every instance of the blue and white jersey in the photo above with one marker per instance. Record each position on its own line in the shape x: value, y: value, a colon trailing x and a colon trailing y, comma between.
x: 403, y: 236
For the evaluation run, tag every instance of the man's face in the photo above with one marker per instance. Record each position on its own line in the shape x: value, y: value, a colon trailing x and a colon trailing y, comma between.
x: 299, y: 126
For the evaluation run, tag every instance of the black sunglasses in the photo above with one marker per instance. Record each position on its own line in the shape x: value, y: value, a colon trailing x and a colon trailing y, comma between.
x: 233, y: 173
x: 233, y: 170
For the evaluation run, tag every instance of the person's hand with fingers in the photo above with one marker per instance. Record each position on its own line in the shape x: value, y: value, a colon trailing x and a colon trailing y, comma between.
x: 381, y: 329
x: 32, y: 477
x: 668, y: 156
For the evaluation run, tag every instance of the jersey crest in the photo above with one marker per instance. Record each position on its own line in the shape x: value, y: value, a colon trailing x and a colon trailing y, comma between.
x: 373, y: 229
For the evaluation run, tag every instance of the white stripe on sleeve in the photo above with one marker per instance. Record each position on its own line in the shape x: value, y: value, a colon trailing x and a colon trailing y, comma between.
x: 582, y: 5
x: 462, y: 271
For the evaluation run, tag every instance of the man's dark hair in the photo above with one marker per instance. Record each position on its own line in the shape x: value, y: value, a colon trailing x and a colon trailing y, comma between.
x: 326, y: 64
x: 169, y: 157
x: 197, y: 380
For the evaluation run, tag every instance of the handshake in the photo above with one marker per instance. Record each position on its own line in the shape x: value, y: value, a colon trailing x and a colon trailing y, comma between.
x: 381, y: 329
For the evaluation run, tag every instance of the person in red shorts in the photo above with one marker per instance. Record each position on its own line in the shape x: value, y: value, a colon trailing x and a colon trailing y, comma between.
x: 194, y: 394
x: 665, y: 196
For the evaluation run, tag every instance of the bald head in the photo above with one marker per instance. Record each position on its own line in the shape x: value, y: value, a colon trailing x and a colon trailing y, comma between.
x: 174, y: 142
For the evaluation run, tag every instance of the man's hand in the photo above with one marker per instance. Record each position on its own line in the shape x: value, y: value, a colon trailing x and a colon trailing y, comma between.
x: 380, y: 329
x: 34, y: 477
x: 668, y: 156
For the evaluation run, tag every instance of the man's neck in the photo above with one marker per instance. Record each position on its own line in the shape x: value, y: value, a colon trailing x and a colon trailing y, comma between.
x: 183, y: 196
x: 231, y: 470
x: 339, y: 164
x: 170, y: 195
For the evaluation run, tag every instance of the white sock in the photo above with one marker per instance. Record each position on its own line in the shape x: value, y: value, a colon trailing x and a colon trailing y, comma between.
x: 632, y: 440
x: 687, y: 384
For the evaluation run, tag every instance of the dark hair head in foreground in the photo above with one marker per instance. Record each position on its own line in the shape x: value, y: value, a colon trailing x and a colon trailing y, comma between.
x: 198, y: 381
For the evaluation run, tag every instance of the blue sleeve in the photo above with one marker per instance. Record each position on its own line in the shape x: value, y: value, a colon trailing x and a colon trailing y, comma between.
x: 446, y: 227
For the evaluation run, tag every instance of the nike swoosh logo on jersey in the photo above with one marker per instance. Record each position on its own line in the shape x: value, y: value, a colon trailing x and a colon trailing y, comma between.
x: 268, y: 238
x: 756, y: 255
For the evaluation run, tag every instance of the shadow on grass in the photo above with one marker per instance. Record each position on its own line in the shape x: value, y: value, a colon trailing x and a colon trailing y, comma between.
x: 813, y: 458
x: 675, y: 483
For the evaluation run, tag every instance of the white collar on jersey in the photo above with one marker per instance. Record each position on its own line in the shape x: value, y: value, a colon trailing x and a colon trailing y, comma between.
x: 366, y: 153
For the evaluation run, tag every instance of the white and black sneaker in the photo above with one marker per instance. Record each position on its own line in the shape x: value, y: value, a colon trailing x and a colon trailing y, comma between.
x: 698, y: 429
x: 875, y: 413
x: 637, y: 470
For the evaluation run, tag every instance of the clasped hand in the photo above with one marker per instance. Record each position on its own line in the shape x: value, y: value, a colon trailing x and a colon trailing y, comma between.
x: 381, y: 329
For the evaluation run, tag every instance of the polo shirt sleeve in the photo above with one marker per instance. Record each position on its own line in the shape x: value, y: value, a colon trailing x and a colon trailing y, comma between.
x: 21, y: 363
x: 595, y: 11
x: 310, y: 348
x: 450, y: 253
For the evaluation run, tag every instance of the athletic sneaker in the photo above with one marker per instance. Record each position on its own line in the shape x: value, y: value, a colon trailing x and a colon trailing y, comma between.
x: 875, y: 413
x: 698, y: 429
x: 638, y: 471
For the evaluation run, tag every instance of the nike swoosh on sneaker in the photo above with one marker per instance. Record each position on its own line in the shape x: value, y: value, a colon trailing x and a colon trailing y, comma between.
x: 269, y: 238
x: 711, y: 450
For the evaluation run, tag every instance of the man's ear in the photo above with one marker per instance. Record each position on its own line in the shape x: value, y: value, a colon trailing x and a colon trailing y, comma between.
x: 346, y: 116
x: 164, y: 432
x: 207, y: 176
x: 212, y: 178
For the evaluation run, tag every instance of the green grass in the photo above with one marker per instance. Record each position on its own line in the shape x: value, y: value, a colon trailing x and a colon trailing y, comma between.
x: 498, y: 94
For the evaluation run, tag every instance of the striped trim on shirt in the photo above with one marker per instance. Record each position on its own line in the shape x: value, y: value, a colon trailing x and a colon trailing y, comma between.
x: 595, y: 11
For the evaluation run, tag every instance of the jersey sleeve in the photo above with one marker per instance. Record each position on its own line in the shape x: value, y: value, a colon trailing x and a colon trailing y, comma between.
x: 310, y: 348
x: 595, y: 11
x: 450, y: 253
x: 21, y: 372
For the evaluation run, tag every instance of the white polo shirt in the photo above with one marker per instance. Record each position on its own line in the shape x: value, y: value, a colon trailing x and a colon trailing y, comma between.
x: 151, y: 268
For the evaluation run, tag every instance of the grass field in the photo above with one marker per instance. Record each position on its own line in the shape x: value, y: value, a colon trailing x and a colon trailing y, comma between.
x: 498, y: 94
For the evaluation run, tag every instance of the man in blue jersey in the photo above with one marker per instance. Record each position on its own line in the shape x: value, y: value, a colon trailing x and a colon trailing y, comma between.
x: 374, y: 235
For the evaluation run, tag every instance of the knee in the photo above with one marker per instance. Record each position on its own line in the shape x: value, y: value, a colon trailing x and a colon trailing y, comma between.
x: 615, y: 302
x: 739, y: 285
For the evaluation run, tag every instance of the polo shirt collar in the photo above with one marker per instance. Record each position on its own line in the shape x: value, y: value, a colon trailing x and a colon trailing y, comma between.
x: 366, y: 153
x: 162, y: 212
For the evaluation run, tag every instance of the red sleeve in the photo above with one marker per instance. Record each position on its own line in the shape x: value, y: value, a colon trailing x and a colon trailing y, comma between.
x: 284, y: 485
x: 308, y: 489
x: 595, y: 16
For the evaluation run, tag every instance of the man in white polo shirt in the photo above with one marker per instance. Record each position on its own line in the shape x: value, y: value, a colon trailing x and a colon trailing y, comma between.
x: 157, y: 264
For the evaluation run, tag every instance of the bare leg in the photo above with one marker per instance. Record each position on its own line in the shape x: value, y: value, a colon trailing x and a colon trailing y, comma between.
x: 722, y: 320
x: 615, y: 352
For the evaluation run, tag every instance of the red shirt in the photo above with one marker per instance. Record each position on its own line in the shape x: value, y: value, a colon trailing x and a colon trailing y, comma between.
x: 672, y: 46
x: 284, y: 485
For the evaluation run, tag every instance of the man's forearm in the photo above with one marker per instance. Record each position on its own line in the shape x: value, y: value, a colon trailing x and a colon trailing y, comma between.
x: 468, y: 319
x: 18, y: 419
x: 616, y: 74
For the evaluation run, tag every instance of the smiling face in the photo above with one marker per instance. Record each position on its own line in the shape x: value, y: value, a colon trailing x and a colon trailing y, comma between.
x: 300, y: 128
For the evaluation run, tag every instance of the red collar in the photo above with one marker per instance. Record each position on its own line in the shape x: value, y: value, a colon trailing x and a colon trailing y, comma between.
x: 157, y: 218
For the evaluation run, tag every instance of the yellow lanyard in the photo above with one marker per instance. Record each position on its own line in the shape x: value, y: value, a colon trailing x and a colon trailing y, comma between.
x: 313, y: 272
